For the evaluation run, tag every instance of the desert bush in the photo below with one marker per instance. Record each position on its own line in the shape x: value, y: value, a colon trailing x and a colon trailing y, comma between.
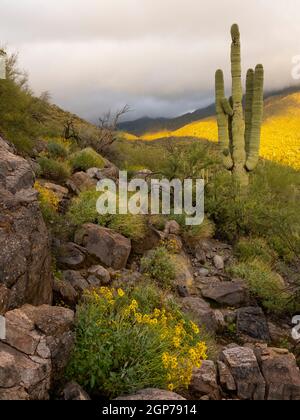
x: 268, y: 209
x: 86, y: 159
x: 159, y: 267
x: 54, y: 169
x: 105, y: 361
x: 266, y: 285
x: 193, y: 234
x: 57, y: 150
x: 248, y: 249
x: 83, y: 210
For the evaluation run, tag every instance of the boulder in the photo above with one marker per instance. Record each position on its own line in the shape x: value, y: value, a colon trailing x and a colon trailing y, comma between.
x: 201, y: 312
x: 219, y: 262
x: 173, y: 228
x: 35, y: 352
x: 150, y: 241
x: 70, y: 256
x: 204, y: 382
x: 75, y: 279
x: 152, y: 394
x: 64, y: 293
x: 253, y: 323
x: 74, y: 392
x: 226, y: 293
x: 244, y: 368
x: 25, y: 258
x: 281, y: 373
x: 226, y: 379
x: 79, y: 182
x: 60, y: 192
x: 95, y: 173
x: 104, y: 245
x: 98, y: 276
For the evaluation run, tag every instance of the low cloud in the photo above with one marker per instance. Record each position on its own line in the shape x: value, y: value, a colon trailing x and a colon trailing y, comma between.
x: 157, y: 56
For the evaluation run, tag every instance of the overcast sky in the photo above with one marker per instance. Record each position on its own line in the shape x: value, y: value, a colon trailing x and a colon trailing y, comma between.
x: 158, y: 56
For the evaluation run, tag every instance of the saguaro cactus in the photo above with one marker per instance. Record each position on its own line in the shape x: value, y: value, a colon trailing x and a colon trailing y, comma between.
x: 239, y: 131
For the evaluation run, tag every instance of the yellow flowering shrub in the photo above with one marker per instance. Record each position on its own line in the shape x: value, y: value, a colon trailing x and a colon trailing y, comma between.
x: 46, y: 196
x: 120, y: 348
x: 49, y: 203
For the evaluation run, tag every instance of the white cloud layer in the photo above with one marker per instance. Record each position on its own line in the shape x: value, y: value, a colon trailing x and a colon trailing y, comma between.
x: 159, y: 56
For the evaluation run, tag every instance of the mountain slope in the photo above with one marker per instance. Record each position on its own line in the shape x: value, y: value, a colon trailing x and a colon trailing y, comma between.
x: 153, y: 125
x: 280, y: 131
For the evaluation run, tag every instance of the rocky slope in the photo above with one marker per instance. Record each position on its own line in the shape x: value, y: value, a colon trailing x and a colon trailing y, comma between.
x: 249, y: 363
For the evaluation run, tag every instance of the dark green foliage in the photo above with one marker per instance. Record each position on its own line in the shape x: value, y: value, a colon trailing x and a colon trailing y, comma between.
x: 54, y: 170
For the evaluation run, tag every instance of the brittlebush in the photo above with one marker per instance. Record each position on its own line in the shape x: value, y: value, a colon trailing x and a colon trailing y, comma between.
x: 121, y: 349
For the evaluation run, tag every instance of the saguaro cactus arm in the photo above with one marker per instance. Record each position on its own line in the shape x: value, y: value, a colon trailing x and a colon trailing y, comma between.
x: 222, y: 119
x: 257, y: 116
x: 248, y: 107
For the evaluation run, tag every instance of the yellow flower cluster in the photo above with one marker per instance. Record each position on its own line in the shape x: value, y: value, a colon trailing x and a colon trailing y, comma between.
x: 46, y: 196
x: 172, y: 245
x: 181, y: 338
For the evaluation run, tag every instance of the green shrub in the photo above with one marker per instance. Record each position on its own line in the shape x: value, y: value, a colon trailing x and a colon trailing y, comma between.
x: 53, y: 169
x: 57, y: 150
x: 159, y: 267
x: 86, y: 159
x: 83, y: 210
x: 263, y: 283
x: 193, y: 234
x: 248, y: 249
x: 269, y: 209
x: 121, y: 349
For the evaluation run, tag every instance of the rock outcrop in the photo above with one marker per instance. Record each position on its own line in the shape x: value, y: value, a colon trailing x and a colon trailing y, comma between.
x: 25, y: 260
x: 35, y: 352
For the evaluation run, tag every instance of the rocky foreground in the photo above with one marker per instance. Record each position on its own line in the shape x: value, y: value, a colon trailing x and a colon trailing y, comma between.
x: 250, y: 364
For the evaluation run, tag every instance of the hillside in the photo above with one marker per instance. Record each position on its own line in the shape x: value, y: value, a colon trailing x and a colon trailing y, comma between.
x: 280, y: 131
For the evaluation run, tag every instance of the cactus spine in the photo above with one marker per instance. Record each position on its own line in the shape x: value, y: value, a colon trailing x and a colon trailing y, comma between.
x: 239, y: 131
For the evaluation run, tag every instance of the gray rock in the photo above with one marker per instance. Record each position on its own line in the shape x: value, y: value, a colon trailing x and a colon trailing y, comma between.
x: 95, y: 173
x: 219, y: 262
x: 76, y: 280
x: 70, y: 256
x: 98, y: 276
x: 253, y: 323
x: 36, y: 351
x: 104, y: 245
x: 201, y: 312
x: 226, y: 293
x: 245, y: 370
x: 64, y: 292
x: 204, y: 381
x: 25, y: 258
x: 74, y: 392
x: 79, y: 182
x: 281, y: 373
x: 172, y: 227
x: 225, y: 377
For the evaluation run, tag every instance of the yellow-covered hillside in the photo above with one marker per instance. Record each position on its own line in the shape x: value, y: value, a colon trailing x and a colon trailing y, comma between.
x: 280, y: 131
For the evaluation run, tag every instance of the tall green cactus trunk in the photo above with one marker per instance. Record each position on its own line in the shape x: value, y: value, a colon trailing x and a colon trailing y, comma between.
x: 239, y: 132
